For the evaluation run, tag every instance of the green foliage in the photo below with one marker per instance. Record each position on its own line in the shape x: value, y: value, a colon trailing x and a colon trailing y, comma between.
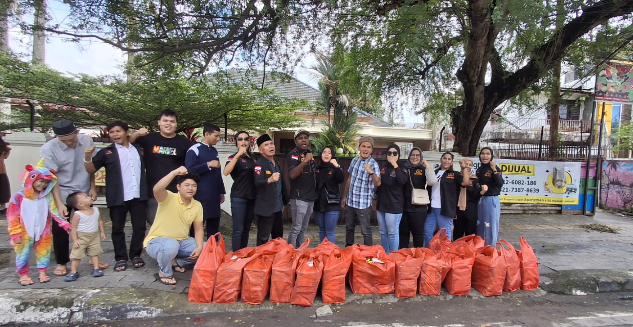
x: 91, y: 101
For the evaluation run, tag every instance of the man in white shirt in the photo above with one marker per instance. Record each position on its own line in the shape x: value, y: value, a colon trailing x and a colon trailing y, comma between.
x: 126, y: 191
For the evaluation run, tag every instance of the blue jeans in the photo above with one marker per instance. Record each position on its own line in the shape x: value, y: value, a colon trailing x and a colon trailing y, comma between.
x: 327, y: 224
x: 435, y: 219
x: 389, y: 227
x: 242, y: 211
x: 489, y: 211
x: 166, y: 249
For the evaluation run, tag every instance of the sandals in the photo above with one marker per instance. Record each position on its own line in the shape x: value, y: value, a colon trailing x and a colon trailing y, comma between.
x: 71, y: 277
x: 102, y: 265
x: 44, y: 279
x: 25, y: 281
x: 170, y: 281
x: 178, y: 268
x: 120, y: 265
x: 138, y: 262
x: 60, y: 271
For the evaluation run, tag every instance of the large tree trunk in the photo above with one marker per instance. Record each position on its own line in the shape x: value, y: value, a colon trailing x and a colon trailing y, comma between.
x: 480, y: 99
x: 39, y: 38
x: 474, y: 114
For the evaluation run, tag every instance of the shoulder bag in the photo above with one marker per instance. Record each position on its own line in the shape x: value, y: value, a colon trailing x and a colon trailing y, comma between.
x: 419, y: 196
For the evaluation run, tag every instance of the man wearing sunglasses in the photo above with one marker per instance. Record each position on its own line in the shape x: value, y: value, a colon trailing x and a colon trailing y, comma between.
x: 362, y: 181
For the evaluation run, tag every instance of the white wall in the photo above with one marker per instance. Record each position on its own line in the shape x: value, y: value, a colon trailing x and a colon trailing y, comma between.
x: 25, y: 151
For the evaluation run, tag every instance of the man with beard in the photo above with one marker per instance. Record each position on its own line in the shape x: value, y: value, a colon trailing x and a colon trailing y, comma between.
x: 302, y: 186
x: 126, y: 191
x: 163, y: 152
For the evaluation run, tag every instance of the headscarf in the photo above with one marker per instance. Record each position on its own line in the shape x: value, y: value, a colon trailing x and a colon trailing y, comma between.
x: 324, y: 167
x: 410, y: 165
x: 392, y: 146
x: 492, y: 156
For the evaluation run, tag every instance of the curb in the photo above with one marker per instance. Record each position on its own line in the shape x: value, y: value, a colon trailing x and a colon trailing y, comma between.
x: 587, y: 281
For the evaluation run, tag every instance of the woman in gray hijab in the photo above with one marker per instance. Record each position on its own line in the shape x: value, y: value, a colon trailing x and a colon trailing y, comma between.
x: 420, y: 174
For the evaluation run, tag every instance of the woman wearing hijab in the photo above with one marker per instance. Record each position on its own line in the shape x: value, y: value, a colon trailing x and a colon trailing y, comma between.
x: 240, y: 166
x: 391, y: 199
x: 444, y: 197
x: 414, y: 216
x: 327, y: 206
x: 489, y: 211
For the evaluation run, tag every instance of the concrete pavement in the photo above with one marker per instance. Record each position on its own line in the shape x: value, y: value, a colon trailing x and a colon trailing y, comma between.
x: 576, y: 258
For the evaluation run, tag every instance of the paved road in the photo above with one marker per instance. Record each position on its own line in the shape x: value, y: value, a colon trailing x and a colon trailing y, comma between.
x: 615, y: 309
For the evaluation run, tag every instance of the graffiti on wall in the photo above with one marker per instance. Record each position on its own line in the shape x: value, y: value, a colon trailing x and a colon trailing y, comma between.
x: 615, y: 83
x: 617, y: 181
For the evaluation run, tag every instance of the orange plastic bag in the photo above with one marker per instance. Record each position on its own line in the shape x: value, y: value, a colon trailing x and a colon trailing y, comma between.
x: 439, y: 241
x: 205, y: 270
x: 283, y: 272
x: 373, y: 271
x: 408, y: 268
x: 474, y: 242
x: 458, y: 279
x: 309, y: 271
x: 529, y: 266
x: 336, y: 264
x: 513, y: 267
x: 431, y: 274
x: 229, y: 279
x: 489, y: 271
x: 256, y: 277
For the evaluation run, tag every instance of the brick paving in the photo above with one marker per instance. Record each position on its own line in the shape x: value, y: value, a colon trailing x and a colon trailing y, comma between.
x: 559, y: 242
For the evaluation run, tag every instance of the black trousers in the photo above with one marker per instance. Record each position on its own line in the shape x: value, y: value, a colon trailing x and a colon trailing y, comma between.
x: 138, y: 215
x: 61, y: 242
x: 466, y: 222
x: 412, y: 223
x: 269, y: 226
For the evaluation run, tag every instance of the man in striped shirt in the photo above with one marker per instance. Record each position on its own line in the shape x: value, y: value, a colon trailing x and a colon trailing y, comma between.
x: 362, y: 181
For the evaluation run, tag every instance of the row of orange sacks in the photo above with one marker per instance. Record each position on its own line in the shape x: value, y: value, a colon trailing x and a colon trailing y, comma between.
x: 293, y: 275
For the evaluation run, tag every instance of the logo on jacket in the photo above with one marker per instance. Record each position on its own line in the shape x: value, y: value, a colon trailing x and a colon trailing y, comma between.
x: 258, y: 170
x: 294, y: 157
x: 418, y: 172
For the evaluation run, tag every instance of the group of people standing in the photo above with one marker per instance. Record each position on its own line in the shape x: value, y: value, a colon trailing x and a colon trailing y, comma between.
x: 161, y: 179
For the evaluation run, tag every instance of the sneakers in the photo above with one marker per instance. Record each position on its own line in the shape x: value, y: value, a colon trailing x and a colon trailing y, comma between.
x: 71, y: 277
x: 97, y: 273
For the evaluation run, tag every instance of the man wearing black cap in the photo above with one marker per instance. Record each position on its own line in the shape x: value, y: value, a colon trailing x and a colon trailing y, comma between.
x: 272, y: 195
x: 65, y: 155
x: 302, y: 186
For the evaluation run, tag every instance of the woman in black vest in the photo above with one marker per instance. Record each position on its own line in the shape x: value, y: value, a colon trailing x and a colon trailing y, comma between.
x: 327, y: 206
x: 420, y: 174
x: 489, y: 211
x: 240, y: 166
x: 391, y: 199
x: 466, y: 222
x: 443, y: 199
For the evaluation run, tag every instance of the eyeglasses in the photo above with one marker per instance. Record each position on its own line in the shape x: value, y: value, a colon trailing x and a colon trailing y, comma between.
x: 416, y: 155
x: 242, y: 139
x: 392, y: 153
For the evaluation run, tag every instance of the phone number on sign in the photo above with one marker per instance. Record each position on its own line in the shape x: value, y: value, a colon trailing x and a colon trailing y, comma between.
x: 519, y: 190
x: 520, y: 182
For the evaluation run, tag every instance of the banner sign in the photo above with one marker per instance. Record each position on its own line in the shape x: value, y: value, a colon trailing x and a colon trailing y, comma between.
x: 546, y: 182
x: 615, y: 83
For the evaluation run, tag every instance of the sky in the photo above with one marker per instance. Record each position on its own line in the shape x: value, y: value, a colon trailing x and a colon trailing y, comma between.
x: 95, y: 58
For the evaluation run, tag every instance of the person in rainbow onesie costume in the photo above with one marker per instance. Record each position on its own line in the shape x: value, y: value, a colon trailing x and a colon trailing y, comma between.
x: 30, y: 214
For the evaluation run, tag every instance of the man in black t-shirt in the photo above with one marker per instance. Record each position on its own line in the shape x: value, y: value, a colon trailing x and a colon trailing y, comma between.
x: 301, y: 170
x: 163, y: 151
